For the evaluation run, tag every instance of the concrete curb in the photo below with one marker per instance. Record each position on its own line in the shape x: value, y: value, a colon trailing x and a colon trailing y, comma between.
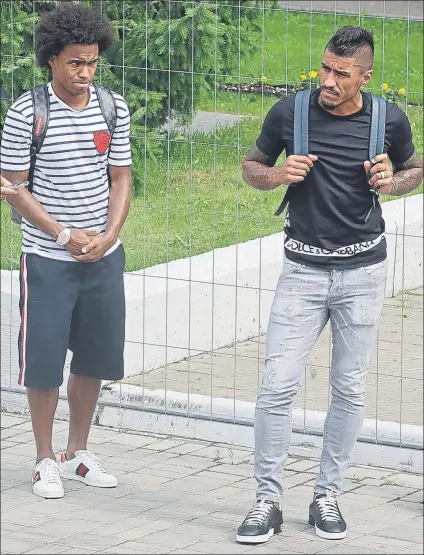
x: 199, y: 304
x: 128, y: 407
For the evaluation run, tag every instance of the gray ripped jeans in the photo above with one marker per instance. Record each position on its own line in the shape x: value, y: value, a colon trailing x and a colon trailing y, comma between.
x: 305, y: 299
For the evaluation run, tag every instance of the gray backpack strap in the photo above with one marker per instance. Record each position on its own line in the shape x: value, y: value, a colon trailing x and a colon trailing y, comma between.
x: 301, y: 123
x: 300, y: 138
x: 107, y: 106
x: 41, y: 104
x: 41, y: 107
x: 377, y: 137
x: 378, y: 126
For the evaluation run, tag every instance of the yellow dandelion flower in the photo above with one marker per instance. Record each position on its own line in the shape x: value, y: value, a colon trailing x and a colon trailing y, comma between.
x: 264, y: 78
x: 303, y: 77
x: 313, y: 74
x: 385, y: 86
x: 402, y: 91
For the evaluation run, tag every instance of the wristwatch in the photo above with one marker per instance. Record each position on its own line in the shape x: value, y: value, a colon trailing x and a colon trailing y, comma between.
x: 63, y: 237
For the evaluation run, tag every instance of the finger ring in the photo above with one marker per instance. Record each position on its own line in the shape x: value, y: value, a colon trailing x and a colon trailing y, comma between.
x: 382, y: 175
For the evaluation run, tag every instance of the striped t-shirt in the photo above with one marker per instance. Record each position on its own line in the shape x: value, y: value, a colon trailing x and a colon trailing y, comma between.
x: 70, y: 177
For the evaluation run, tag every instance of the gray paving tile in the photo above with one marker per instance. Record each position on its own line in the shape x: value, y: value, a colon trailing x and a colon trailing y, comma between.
x: 405, y: 480
x: 139, y: 547
x: 218, y: 548
x: 8, y: 420
x: 186, y: 448
x: 385, y: 491
x: 34, y: 535
x: 344, y: 549
x: 90, y: 541
x: 377, y: 542
x: 120, y: 549
x: 52, y: 548
x: 401, y: 531
x: 303, y: 465
x: 13, y: 545
x: 236, y: 469
x: 416, y: 497
x: 360, y: 472
x: 176, y: 501
x: 187, y: 551
x: 77, y: 551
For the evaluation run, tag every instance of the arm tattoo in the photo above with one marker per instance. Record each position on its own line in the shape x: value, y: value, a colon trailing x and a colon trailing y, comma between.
x: 407, y: 176
x: 259, y: 171
x: 255, y: 155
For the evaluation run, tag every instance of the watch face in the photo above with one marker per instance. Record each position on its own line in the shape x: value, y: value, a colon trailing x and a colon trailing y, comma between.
x: 63, y: 237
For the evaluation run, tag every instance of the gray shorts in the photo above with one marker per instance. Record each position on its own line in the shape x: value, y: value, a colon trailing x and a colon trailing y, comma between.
x: 76, y: 306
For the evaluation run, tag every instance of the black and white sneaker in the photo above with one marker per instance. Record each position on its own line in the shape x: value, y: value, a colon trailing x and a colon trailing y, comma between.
x: 263, y: 521
x: 325, y: 515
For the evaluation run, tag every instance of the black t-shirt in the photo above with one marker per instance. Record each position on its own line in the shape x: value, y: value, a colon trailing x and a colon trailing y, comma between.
x: 325, y: 223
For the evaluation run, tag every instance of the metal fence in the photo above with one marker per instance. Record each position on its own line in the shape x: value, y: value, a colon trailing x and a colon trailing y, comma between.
x: 203, y: 250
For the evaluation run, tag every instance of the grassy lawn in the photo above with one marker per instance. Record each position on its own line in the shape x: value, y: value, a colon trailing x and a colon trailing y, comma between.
x: 193, y: 199
x: 306, y: 39
x: 195, y: 204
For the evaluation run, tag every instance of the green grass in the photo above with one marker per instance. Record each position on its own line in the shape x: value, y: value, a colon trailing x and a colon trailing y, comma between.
x: 304, y: 52
x: 201, y: 203
x: 306, y: 40
x: 198, y: 201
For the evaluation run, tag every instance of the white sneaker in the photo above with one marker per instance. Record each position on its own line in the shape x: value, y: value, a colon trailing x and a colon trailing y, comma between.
x: 46, y: 480
x: 86, y: 467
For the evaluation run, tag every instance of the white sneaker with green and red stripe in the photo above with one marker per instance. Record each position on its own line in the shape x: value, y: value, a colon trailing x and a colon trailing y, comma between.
x: 86, y: 467
x: 46, y: 480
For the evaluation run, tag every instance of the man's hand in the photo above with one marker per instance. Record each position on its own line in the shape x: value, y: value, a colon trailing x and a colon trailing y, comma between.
x: 95, y: 250
x: 80, y: 238
x: 5, y: 189
x: 381, y: 173
x: 296, y: 168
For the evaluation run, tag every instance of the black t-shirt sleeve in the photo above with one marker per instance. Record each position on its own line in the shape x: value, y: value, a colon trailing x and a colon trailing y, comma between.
x: 401, y: 146
x: 270, y: 140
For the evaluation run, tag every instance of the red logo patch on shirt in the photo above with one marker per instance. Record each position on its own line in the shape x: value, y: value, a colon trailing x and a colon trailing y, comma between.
x: 101, y: 140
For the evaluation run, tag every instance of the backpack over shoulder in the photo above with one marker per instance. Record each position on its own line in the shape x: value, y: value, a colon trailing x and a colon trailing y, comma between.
x: 41, y: 103
x: 301, y: 137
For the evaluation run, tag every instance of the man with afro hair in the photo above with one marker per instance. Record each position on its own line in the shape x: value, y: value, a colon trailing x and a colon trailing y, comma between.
x: 72, y: 262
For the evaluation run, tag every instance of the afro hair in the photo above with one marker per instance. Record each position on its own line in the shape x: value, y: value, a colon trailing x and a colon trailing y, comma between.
x: 71, y: 23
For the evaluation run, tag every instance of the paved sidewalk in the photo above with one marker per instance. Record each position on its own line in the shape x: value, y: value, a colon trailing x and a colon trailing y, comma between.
x: 394, y: 384
x: 178, y: 496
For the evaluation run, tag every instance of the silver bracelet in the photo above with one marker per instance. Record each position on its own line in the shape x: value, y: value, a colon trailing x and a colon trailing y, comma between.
x: 19, y: 185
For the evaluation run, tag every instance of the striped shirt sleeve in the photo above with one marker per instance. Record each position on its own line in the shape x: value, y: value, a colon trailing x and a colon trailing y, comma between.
x: 16, y: 137
x: 120, y: 150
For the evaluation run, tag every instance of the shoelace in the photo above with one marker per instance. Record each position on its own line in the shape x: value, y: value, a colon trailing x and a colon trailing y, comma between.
x: 328, y: 508
x: 49, y: 470
x: 92, y: 462
x: 259, y: 512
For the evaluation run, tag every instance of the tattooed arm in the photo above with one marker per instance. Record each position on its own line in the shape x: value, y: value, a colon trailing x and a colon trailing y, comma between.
x: 259, y: 171
x: 407, y: 176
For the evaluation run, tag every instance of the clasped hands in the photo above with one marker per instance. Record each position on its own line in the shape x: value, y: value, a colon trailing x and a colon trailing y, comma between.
x: 87, y: 245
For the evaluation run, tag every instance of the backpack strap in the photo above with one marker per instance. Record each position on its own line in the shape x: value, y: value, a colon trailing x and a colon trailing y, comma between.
x: 300, y: 138
x: 107, y: 106
x: 301, y: 123
x: 41, y: 106
x: 377, y: 137
x: 378, y: 126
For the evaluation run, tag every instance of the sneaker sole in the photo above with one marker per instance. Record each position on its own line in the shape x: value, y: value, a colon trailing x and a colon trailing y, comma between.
x: 257, y: 539
x: 70, y: 476
x: 327, y: 535
x: 48, y: 494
